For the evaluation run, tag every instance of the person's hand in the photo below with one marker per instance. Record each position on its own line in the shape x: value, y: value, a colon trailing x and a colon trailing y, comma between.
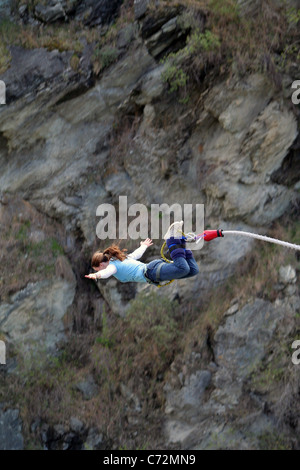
x: 91, y: 276
x: 147, y: 242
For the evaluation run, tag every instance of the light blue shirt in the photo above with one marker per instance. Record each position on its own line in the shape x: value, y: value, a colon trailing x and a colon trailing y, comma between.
x: 129, y: 270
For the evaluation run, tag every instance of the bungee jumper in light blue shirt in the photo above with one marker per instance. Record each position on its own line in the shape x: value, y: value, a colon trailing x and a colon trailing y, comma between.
x: 126, y: 268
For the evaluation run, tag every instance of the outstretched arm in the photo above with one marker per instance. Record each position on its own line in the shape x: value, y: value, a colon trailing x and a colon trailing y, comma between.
x: 138, y: 253
x: 104, y: 273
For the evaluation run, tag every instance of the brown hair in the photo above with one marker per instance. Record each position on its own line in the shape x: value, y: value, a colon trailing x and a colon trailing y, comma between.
x: 112, y: 251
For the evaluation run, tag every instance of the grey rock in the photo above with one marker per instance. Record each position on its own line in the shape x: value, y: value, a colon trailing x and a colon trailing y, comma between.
x: 5, y: 8
x: 37, y: 236
x: 33, y: 321
x: 116, y: 295
x: 89, y: 12
x: 11, y: 437
x: 44, y: 433
x: 59, y: 431
x: 151, y: 86
x: 162, y: 40
x: 22, y: 10
x: 76, y: 425
x: 126, y: 36
x: 130, y: 397
x: 241, y: 342
x: 195, y: 387
x: 291, y: 290
x: 140, y: 8
x: 117, y: 183
x: 35, y: 425
x: 64, y: 270
x: 100, y: 12
x: 88, y: 388
x: 71, y: 167
x: 257, y: 126
x: 190, y: 396
x: 287, y: 275
x: 94, y: 440
x: 233, y: 309
x: 50, y: 13
x: 225, y: 437
x: 29, y: 69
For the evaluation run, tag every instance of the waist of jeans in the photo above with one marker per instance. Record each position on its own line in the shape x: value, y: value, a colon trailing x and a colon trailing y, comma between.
x: 146, y: 275
x: 157, y: 271
x: 148, y: 278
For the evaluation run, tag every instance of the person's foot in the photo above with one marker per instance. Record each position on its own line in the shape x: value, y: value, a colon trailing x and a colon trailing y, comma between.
x: 176, y: 247
x: 178, y: 241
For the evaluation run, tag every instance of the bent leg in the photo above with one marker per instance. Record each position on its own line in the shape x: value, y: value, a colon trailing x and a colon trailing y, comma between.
x: 183, y: 266
x: 194, y: 268
x: 167, y: 271
x: 180, y: 267
x: 176, y: 270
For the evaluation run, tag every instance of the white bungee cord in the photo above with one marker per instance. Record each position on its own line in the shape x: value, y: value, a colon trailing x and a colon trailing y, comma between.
x: 175, y: 230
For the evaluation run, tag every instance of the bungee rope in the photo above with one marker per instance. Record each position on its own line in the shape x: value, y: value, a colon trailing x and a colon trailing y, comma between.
x: 263, y: 238
x: 209, y: 235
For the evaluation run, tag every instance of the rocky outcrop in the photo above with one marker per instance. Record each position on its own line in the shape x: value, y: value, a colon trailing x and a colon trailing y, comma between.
x: 39, y: 285
x: 48, y: 13
x: 235, y: 130
x: 89, y: 12
x: 238, y: 122
x: 235, y: 384
x: 163, y: 33
x: 140, y: 8
x: 41, y: 73
x: 33, y: 320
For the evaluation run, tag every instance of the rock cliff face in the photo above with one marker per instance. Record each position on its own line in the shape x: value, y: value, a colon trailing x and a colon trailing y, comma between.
x: 225, y: 405
x: 70, y: 141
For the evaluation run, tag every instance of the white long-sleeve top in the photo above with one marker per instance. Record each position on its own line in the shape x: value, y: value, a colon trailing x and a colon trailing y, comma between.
x: 111, y: 269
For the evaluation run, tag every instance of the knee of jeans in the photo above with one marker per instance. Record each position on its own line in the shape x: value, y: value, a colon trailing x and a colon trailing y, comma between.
x: 194, y: 270
x: 185, y: 270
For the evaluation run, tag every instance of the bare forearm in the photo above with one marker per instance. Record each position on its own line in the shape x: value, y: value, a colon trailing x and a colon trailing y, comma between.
x: 138, y: 253
x: 104, y: 274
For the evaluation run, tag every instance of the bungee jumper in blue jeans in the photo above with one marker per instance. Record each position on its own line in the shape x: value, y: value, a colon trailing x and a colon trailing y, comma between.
x: 126, y: 268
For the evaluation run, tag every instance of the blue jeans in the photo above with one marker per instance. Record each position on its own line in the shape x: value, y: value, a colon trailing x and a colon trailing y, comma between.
x: 181, y: 268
